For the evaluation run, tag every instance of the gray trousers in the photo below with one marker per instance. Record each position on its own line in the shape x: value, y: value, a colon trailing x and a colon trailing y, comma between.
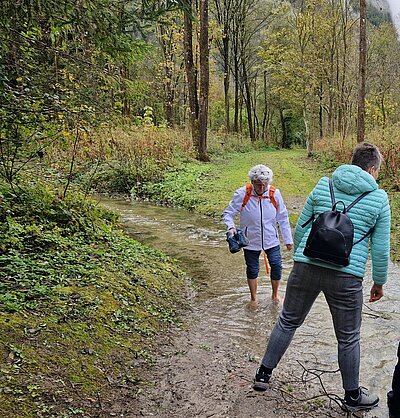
x: 343, y: 293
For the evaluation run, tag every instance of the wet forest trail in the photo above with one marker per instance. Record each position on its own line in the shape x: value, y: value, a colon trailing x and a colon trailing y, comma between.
x: 206, y: 368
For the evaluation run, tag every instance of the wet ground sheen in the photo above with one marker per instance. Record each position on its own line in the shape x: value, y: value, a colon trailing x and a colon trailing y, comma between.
x: 206, y: 369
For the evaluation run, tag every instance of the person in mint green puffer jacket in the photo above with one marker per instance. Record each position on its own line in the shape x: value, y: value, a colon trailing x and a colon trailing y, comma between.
x: 373, y: 211
x: 342, y: 286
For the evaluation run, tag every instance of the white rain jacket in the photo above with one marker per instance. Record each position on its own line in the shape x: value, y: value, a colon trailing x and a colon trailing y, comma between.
x: 259, y: 219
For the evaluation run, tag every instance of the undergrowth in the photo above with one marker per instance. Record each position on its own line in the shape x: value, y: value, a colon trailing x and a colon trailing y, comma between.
x: 80, y: 304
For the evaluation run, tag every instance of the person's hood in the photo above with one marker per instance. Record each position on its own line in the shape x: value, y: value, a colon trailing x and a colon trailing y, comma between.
x: 352, y: 179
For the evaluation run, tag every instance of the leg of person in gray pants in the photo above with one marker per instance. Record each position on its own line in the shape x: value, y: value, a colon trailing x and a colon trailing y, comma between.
x: 343, y: 293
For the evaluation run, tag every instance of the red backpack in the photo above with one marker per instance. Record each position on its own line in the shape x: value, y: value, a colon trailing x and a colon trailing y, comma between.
x: 249, y: 194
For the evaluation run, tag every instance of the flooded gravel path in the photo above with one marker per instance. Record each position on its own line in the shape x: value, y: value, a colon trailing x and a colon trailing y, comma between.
x: 206, y: 368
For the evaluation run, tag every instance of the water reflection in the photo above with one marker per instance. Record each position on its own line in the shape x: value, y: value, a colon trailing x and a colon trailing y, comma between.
x: 199, y: 244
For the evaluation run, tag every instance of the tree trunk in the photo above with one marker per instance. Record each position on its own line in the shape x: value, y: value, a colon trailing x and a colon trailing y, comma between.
x: 169, y: 88
x: 198, y: 111
x: 321, y: 112
x: 204, y: 81
x: 236, y: 68
x: 191, y: 75
x: 383, y: 110
x: 309, y: 140
x: 237, y: 91
x: 126, y: 109
x: 256, y: 122
x: 240, y: 103
x: 362, y: 71
x: 224, y: 17
x: 247, y: 99
x: 225, y: 42
x: 283, y: 127
x: 344, y: 99
x: 265, y: 112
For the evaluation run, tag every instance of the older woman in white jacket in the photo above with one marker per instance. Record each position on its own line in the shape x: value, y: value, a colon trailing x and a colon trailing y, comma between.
x: 259, y: 218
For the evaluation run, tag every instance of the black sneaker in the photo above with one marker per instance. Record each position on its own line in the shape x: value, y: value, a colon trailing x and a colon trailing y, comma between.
x: 261, y: 380
x: 363, y: 402
x: 394, y: 405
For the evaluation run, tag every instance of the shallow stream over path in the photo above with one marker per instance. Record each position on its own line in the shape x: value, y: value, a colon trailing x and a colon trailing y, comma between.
x: 209, y: 374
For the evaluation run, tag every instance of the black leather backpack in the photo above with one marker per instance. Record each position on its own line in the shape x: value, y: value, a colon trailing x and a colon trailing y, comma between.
x: 332, y: 233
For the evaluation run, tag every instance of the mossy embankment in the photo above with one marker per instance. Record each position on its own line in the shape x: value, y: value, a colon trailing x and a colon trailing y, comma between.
x: 81, y: 305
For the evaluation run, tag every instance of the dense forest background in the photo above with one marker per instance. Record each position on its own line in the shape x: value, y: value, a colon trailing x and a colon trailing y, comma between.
x: 124, y: 82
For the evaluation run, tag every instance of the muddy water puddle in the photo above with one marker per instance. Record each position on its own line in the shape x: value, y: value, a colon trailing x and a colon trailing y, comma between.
x: 222, y: 301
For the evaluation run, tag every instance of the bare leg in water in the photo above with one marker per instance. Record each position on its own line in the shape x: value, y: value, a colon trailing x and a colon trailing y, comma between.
x: 275, y: 288
x: 253, y: 283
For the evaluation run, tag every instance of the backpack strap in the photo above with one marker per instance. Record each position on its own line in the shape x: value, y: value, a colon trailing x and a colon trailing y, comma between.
x: 249, y: 194
x: 332, y: 193
x: 346, y: 209
x: 357, y: 200
x: 365, y: 235
x: 271, y: 196
x: 350, y: 206
x: 311, y: 218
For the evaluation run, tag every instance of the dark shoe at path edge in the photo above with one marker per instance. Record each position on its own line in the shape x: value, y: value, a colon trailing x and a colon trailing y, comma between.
x: 364, y: 402
x: 261, y: 380
x: 394, y: 405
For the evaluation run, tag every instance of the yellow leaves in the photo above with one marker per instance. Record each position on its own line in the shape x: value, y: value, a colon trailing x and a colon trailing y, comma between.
x: 66, y: 75
x: 216, y: 31
x: 379, y: 110
x: 86, y: 108
x: 66, y: 134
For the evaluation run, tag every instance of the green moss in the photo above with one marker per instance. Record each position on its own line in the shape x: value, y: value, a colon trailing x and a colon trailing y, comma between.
x: 77, y: 308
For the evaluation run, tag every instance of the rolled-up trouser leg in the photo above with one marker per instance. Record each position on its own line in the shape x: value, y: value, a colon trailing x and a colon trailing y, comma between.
x: 275, y: 261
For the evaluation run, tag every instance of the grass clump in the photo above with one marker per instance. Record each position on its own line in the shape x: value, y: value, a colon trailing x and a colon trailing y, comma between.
x: 181, y: 186
x: 80, y: 304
